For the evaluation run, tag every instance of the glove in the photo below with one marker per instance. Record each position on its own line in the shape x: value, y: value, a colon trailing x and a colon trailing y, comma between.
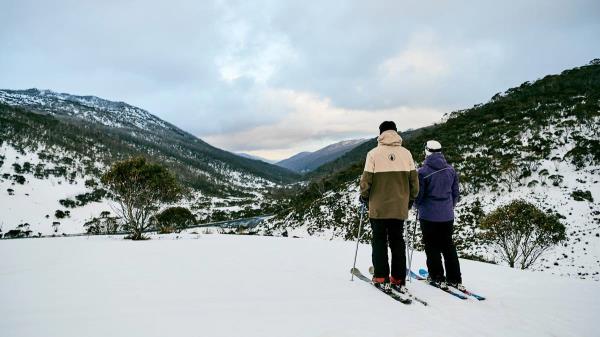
x: 410, y: 204
x: 364, y: 202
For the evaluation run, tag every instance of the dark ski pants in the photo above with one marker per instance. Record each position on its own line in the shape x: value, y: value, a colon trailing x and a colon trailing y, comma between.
x: 437, y: 237
x: 388, y: 232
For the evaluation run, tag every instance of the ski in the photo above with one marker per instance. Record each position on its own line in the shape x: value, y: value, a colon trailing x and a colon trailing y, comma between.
x: 415, y: 276
x: 407, y: 293
x: 412, y: 297
x: 433, y: 284
x: 394, y: 295
x: 425, y: 273
x: 469, y: 293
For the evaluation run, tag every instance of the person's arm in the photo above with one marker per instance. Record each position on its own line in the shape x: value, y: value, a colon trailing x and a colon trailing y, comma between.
x: 455, y: 189
x: 414, y: 182
x: 366, y: 180
x: 420, y: 195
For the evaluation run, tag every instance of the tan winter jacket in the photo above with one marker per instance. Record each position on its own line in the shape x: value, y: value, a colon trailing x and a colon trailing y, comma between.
x: 390, y: 178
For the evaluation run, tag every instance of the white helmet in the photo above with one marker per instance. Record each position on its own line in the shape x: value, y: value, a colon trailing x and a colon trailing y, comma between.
x: 432, y: 146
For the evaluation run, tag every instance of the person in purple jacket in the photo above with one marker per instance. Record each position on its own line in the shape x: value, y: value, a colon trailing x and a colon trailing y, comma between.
x: 438, y: 195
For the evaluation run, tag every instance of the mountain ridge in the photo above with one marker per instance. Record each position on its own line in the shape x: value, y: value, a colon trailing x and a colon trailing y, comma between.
x: 127, y: 117
x: 253, y: 157
x: 307, y: 161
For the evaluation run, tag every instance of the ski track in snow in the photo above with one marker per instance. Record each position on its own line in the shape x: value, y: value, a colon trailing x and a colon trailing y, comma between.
x: 224, y: 285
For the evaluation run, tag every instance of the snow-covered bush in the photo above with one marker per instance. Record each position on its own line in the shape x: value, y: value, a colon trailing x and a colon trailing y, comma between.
x: 105, y: 224
x: 521, y: 232
x: 59, y: 214
x: 174, y: 219
x: 579, y: 195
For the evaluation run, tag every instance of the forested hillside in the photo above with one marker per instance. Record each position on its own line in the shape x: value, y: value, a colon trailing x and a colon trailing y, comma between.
x: 126, y: 129
x: 54, y: 147
x: 539, y: 141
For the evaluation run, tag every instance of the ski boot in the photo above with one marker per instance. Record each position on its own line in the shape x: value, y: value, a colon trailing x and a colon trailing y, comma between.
x: 398, y: 285
x: 383, y: 284
x: 440, y: 284
x: 458, y: 286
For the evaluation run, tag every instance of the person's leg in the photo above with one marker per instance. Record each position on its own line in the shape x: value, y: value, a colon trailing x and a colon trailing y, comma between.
x: 397, y: 246
x: 432, y: 250
x: 449, y: 251
x: 379, y: 247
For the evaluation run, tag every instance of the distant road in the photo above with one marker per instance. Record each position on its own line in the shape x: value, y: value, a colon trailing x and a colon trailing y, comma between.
x: 246, y: 222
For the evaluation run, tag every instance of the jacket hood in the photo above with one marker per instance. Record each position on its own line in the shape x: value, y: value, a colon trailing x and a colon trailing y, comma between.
x: 389, y: 138
x: 436, y: 161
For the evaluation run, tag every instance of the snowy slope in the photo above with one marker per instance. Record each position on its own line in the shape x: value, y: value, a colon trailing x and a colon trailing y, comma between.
x: 52, y: 143
x: 112, y: 129
x: 220, y: 285
x: 579, y: 255
x: 36, y: 200
x: 90, y: 108
x: 334, y: 215
x: 538, y: 142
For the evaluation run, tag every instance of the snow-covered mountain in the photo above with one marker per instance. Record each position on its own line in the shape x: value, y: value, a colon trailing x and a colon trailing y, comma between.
x: 308, y: 161
x: 54, y: 147
x: 539, y: 142
x: 89, y: 108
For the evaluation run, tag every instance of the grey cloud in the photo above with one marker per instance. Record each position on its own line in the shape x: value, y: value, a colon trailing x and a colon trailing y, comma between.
x: 209, y: 66
x: 528, y: 33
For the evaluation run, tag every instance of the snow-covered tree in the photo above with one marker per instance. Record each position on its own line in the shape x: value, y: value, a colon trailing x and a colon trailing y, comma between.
x: 140, y: 187
x: 521, y: 233
x: 55, y: 226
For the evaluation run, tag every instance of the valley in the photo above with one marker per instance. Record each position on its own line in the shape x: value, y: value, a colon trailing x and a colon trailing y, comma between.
x: 540, y: 144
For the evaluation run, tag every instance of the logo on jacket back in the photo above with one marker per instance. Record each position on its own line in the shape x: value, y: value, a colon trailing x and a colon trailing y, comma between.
x: 392, y: 157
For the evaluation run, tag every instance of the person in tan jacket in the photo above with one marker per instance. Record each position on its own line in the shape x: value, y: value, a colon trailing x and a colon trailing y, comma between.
x: 388, y: 186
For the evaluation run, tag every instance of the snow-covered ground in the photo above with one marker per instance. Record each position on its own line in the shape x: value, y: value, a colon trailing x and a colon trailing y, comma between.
x: 36, y: 200
x: 224, y: 285
x: 578, y: 256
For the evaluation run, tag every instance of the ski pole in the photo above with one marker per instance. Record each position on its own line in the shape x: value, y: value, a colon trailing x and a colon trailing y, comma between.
x: 362, y: 210
x: 412, y: 248
x: 408, y: 257
x: 410, y: 234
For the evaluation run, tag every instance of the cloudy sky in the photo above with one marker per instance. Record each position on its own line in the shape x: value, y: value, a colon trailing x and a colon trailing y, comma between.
x: 276, y: 77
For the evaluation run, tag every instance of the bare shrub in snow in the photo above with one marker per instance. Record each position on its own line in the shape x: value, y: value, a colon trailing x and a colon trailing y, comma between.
x: 512, y: 176
x: 105, y: 224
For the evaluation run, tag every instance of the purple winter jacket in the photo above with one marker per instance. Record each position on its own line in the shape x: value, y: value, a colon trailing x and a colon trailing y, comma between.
x: 439, y: 191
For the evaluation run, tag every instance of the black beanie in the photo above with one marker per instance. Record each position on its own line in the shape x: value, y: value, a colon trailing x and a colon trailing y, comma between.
x: 387, y: 125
